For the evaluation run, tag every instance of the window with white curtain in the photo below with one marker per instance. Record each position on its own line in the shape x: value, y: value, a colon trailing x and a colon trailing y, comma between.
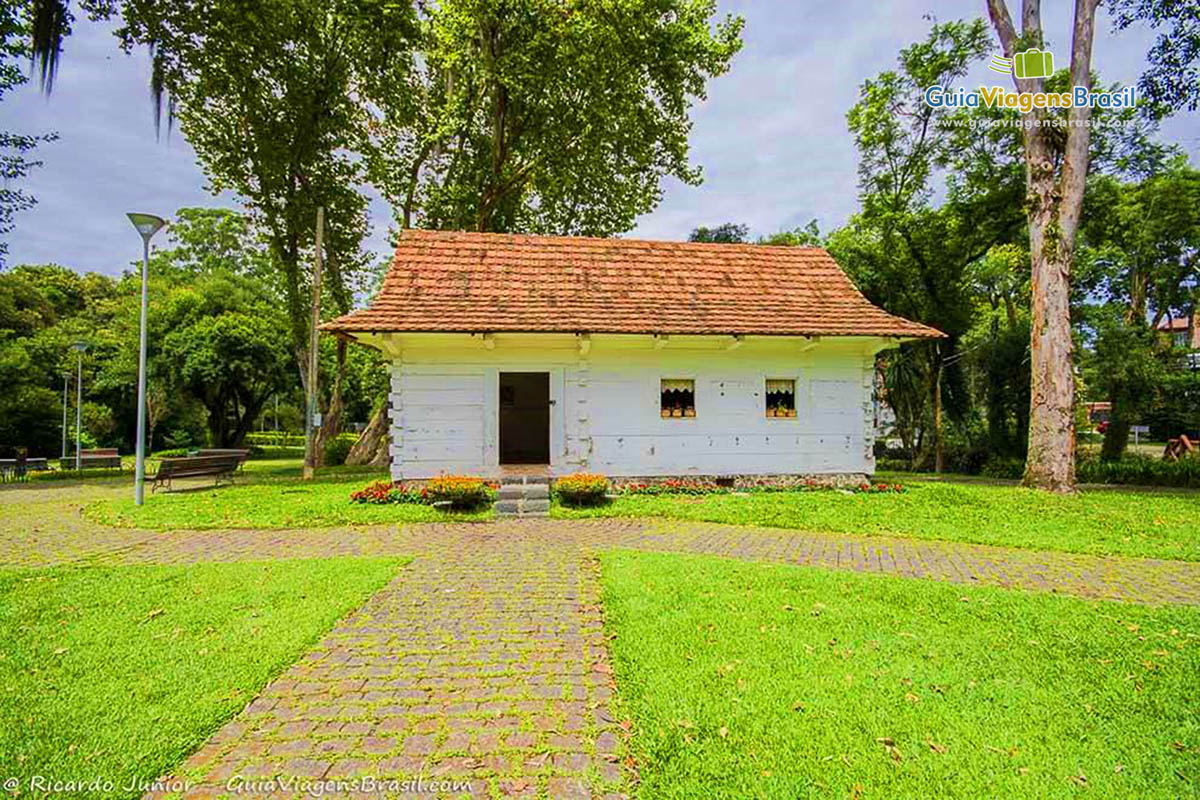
x: 781, y: 397
x: 678, y: 397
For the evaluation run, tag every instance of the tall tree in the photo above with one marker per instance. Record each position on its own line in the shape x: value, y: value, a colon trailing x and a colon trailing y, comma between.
x: 275, y: 103
x: 543, y: 117
x: 905, y: 254
x: 222, y: 347
x: 1054, y: 199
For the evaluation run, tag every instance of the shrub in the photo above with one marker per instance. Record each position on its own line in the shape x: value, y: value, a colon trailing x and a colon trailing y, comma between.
x: 581, y: 489
x: 460, y: 491
x: 1003, y: 468
x: 1135, y: 470
x: 337, y: 448
x: 275, y: 439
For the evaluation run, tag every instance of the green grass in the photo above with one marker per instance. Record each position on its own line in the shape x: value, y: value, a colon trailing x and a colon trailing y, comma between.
x: 1155, y: 524
x: 269, y: 494
x: 747, y: 680
x: 121, y: 672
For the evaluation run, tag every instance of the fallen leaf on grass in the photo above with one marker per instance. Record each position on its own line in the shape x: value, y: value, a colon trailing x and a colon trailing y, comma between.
x: 912, y: 698
x: 935, y: 747
x: 61, y: 650
x: 890, y: 744
x: 1079, y: 780
x: 723, y: 732
x: 1118, y: 769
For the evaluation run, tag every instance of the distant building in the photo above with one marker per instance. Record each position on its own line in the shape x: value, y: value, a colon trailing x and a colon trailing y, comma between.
x: 1182, y: 334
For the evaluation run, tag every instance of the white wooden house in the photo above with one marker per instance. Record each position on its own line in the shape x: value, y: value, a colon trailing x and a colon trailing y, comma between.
x: 625, y: 357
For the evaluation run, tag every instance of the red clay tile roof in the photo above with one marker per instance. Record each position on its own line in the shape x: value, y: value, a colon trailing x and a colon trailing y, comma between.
x: 447, y: 281
x: 1173, y: 324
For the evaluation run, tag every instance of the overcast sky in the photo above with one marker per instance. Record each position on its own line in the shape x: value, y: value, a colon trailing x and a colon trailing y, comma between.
x: 771, y: 137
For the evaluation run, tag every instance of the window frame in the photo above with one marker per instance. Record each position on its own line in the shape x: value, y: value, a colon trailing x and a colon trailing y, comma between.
x: 683, y: 410
x: 795, y: 409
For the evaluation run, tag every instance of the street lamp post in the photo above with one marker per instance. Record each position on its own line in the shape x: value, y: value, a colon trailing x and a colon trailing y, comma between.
x: 147, y: 225
x: 66, y: 376
x: 78, y: 347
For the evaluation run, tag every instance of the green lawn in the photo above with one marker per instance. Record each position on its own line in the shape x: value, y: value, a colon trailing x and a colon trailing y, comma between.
x: 269, y: 494
x: 121, y: 672
x: 1157, y: 524
x: 747, y: 680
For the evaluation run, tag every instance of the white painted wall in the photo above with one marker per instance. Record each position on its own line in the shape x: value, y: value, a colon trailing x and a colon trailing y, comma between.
x: 605, y: 415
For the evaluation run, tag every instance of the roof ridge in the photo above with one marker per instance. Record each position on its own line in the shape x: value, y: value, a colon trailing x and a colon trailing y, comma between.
x: 539, y: 237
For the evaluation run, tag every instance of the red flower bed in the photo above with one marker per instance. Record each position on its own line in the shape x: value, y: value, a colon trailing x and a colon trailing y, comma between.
x: 387, y: 492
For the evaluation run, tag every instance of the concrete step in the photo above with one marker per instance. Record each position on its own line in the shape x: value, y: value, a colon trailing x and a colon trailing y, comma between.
x: 510, y: 492
x: 523, y: 480
x: 532, y: 507
x: 537, y: 491
x: 508, y: 506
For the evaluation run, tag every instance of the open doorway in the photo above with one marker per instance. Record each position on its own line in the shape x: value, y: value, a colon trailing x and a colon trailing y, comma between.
x: 524, y: 418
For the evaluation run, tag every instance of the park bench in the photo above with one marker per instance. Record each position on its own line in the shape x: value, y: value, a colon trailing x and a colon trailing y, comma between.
x: 101, y: 457
x: 241, y: 453
x: 216, y: 466
x: 15, y: 469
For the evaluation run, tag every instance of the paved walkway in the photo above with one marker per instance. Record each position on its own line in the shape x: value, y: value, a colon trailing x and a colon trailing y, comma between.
x: 484, y: 659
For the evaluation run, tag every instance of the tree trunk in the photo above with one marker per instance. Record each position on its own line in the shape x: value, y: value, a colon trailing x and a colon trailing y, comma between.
x: 1053, y: 207
x: 331, y: 420
x: 939, y: 443
x: 1050, y: 463
x: 372, y: 445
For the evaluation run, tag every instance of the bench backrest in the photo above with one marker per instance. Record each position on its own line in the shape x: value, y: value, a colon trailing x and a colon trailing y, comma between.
x: 197, y: 465
x: 99, y: 452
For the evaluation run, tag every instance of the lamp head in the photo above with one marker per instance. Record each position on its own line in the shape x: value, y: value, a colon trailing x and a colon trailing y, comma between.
x: 79, y: 347
x: 147, y: 224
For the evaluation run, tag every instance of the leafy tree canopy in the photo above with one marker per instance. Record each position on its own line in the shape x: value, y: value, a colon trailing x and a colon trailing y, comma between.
x: 728, y: 233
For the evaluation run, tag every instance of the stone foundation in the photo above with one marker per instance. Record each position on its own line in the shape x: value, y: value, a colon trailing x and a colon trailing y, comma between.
x: 826, y: 480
